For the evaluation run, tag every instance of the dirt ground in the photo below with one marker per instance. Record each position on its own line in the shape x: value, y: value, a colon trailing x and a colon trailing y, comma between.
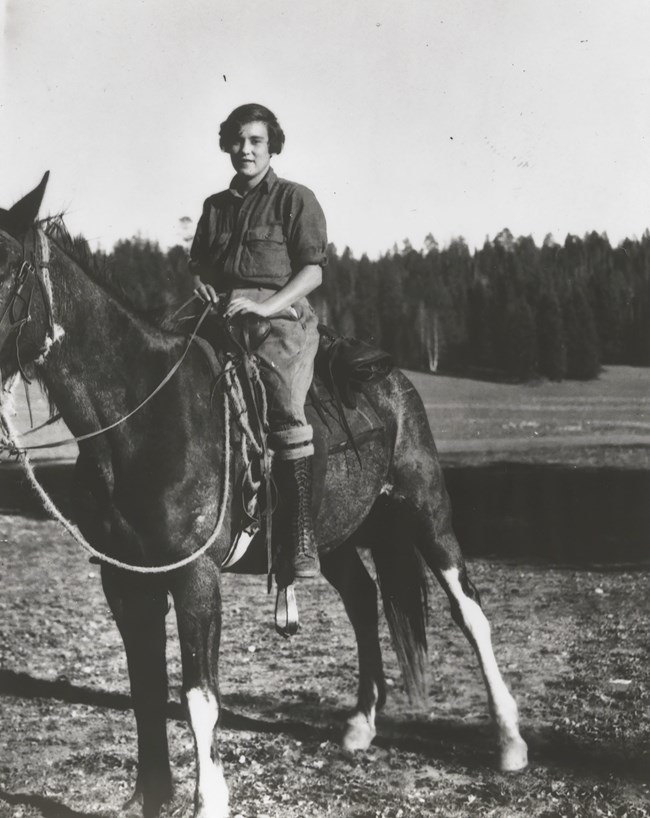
x: 573, y: 645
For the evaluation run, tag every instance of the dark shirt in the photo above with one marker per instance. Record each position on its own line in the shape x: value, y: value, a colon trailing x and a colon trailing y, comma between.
x: 261, y: 239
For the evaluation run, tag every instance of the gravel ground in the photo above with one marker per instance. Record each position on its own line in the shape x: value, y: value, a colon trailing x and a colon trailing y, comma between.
x: 572, y: 644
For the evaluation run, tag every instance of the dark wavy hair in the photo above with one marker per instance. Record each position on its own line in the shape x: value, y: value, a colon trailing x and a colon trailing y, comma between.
x: 252, y: 112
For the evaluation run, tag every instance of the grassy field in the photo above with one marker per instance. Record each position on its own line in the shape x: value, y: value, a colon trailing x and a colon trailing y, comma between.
x: 603, y: 422
x: 550, y: 471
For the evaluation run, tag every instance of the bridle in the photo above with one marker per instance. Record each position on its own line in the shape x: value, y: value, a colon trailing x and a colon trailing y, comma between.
x: 33, y: 273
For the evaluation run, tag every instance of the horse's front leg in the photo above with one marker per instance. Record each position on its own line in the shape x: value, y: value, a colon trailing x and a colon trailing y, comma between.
x: 139, y: 605
x: 344, y: 569
x: 197, y: 598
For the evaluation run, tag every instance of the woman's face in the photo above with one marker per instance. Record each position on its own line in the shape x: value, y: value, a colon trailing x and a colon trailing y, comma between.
x: 250, y: 155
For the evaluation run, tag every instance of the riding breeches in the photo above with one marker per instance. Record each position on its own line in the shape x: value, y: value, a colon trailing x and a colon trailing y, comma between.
x: 286, y: 361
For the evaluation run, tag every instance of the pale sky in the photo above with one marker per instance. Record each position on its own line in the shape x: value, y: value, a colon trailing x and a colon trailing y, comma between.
x: 450, y: 117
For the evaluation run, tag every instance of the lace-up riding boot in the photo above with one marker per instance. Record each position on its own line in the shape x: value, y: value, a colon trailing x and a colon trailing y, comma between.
x: 305, y: 560
x: 296, y: 552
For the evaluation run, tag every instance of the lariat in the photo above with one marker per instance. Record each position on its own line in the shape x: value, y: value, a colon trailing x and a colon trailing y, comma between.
x: 242, y: 376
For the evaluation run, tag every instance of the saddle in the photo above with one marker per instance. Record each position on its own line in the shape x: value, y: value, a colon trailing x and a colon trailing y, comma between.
x: 343, y: 368
x: 343, y: 365
x: 346, y: 365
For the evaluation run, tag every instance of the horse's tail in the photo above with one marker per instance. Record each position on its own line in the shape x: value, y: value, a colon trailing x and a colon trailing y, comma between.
x: 402, y: 578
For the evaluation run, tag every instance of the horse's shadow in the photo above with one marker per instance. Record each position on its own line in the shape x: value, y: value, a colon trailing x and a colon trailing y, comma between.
x: 446, y: 741
x: 47, y: 807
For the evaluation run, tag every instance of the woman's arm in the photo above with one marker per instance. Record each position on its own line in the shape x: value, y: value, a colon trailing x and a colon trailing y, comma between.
x: 303, y: 283
x: 198, y: 258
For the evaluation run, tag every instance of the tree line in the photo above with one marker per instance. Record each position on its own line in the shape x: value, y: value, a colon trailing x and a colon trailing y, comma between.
x: 510, y: 309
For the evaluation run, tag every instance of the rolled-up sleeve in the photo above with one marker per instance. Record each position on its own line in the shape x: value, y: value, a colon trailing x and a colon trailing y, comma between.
x: 307, y: 230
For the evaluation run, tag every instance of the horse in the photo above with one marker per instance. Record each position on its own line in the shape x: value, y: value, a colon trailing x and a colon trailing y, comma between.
x: 150, y: 494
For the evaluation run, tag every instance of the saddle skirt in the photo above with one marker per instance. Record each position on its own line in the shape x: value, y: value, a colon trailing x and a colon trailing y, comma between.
x: 341, y: 427
x: 336, y: 399
x: 333, y: 442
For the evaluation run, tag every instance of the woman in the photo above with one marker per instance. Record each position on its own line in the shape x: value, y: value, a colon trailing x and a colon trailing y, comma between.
x: 263, y: 242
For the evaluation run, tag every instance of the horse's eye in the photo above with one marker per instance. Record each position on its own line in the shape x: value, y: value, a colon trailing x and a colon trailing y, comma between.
x: 3, y: 255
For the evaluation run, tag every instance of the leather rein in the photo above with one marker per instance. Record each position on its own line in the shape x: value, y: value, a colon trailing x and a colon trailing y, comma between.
x: 14, y: 317
x: 17, y: 314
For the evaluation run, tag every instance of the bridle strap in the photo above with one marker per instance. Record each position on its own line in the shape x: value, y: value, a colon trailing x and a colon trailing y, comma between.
x: 8, y: 320
x: 33, y: 271
x: 80, y: 438
x: 29, y: 275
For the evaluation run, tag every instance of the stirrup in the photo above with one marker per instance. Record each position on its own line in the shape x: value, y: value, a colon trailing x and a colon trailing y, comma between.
x: 286, y: 612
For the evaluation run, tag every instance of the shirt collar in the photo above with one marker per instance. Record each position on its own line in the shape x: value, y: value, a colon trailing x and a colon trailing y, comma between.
x: 264, y: 186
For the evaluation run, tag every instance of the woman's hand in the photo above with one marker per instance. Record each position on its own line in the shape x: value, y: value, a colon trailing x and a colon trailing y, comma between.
x: 244, y: 306
x: 205, y: 291
x: 300, y: 285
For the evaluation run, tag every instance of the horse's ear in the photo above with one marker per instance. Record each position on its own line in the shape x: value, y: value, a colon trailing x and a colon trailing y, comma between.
x: 19, y: 218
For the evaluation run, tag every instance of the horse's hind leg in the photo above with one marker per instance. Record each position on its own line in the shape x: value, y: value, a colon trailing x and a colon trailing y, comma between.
x: 445, y: 559
x: 441, y: 552
x: 344, y: 569
x: 467, y: 613
x: 139, y: 607
x: 419, y: 486
x: 197, y: 599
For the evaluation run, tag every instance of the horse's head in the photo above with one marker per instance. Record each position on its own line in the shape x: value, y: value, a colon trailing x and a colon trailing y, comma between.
x: 26, y: 329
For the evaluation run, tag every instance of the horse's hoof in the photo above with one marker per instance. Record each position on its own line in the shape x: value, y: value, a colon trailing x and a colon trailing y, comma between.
x: 213, y: 803
x: 358, y: 734
x: 222, y: 812
x: 514, y: 757
x: 137, y: 807
x: 132, y: 807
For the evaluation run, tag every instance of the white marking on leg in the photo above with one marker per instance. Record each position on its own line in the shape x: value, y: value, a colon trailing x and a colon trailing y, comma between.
x: 514, y: 753
x: 360, y: 730
x: 211, y: 787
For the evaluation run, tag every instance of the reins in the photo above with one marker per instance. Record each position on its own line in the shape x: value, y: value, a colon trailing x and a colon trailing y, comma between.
x: 56, y: 417
x: 72, y: 529
x: 89, y: 435
x: 29, y: 271
x: 8, y: 323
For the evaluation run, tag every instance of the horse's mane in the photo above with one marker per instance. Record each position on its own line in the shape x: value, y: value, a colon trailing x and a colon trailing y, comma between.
x: 76, y: 247
x: 101, y: 270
